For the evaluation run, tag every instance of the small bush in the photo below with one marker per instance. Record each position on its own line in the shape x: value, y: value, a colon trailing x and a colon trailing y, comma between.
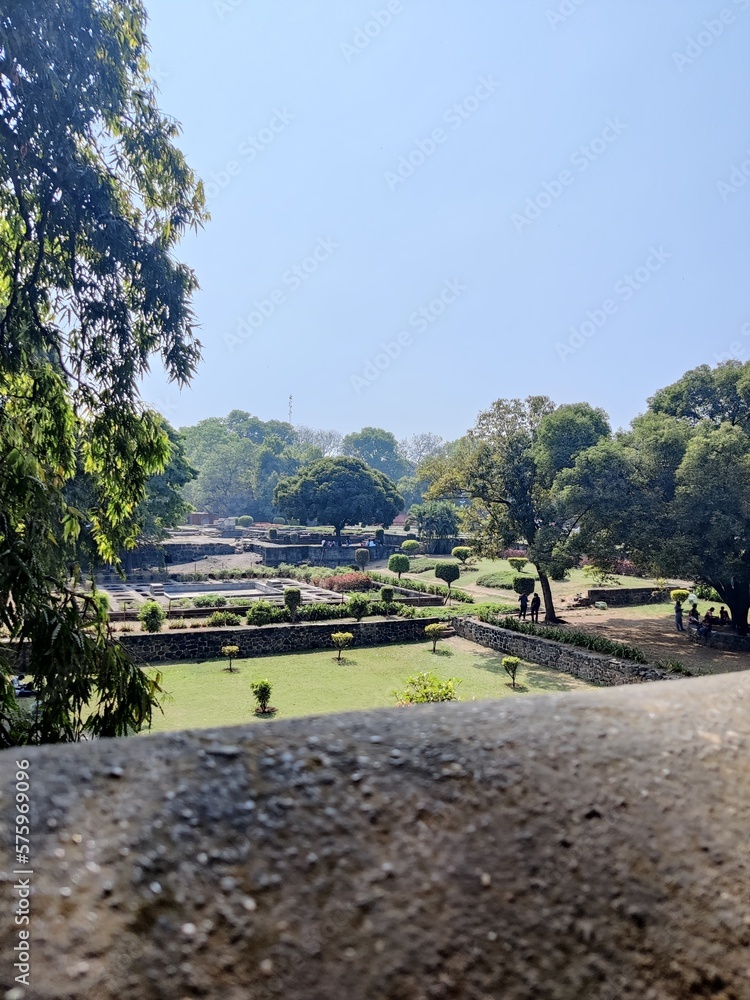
x: 279, y: 520
x: 197, y: 624
x: 342, y: 641
x: 511, y: 664
x: 292, y: 601
x: 518, y: 563
x: 265, y: 613
x: 221, y: 619
x: 426, y: 688
x: 462, y: 553
x: 380, y: 535
x: 524, y: 584
x: 245, y: 521
x: 386, y: 595
x: 706, y: 593
x: 357, y: 607
x: 410, y: 547
x: 435, y: 633
x: 273, y: 534
x: 177, y: 623
x: 680, y: 595
x: 320, y: 612
x: 262, y: 691
x: 496, y: 581
x: 151, y: 616
x: 204, y: 601
x: 126, y: 628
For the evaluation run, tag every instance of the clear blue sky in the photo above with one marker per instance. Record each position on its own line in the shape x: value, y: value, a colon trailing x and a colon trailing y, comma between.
x: 298, y: 115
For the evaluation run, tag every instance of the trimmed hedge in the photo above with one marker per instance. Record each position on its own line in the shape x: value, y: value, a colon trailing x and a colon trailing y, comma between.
x: 571, y: 637
x: 438, y: 589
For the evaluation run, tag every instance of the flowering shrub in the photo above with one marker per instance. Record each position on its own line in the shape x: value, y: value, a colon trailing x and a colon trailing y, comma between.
x: 348, y: 582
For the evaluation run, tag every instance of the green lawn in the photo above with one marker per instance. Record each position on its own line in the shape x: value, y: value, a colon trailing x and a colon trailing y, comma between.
x: 202, y: 695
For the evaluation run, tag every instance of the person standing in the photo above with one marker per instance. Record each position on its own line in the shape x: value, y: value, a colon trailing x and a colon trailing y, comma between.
x: 536, y: 603
x: 678, y: 616
x: 523, y: 600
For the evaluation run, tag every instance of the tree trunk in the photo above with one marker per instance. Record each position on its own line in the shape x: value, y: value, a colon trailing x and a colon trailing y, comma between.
x: 337, y: 528
x: 549, y: 608
x: 737, y: 598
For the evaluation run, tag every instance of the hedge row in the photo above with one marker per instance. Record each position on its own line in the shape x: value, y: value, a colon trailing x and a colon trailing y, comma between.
x: 438, y: 589
x: 572, y: 637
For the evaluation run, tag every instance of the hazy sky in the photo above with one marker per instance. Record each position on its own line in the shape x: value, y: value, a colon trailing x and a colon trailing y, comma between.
x: 419, y: 206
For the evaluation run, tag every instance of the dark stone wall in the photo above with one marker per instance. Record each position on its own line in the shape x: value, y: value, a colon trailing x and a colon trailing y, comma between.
x: 205, y: 644
x: 592, y: 667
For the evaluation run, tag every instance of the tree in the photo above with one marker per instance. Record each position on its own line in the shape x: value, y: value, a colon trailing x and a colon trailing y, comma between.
x: 410, y: 547
x: 338, y: 491
x: 399, y: 564
x: 230, y: 652
x: 378, y: 449
x: 262, y: 692
x: 449, y: 573
x: 362, y: 557
x: 327, y: 442
x: 436, y: 519
x: 511, y: 664
x: 418, y: 448
x: 386, y: 595
x: 518, y: 563
x: 435, y: 633
x: 462, y: 553
x: 507, y: 469
x: 357, y: 606
x: 95, y: 197
x: 342, y: 641
x: 524, y: 585
x: 292, y: 601
x: 673, y: 494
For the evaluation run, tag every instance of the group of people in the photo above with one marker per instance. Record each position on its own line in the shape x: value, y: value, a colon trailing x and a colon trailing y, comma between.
x: 526, y: 606
x: 703, y: 626
x: 21, y: 689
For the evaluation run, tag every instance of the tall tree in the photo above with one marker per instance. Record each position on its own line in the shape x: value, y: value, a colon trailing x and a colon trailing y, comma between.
x: 419, y: 447
x: 506, y: 470
x: 94, y: 196
x: 673, y: 494
x: 379, y: 449
x: 339, y: 491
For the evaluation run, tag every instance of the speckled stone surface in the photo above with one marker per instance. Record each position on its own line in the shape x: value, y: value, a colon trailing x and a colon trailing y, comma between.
x: 588, y: 845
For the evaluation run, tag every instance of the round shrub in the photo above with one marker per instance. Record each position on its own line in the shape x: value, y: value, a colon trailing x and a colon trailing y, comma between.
x: 151, y: 616
x: 357, y: 607
x: 399, y: 564
x: 524, y: 584
x: 386, y: 595
x: 410, y: 546
x: 517, y: 563
x: 362, y: 557
x: 273, y: 534
x: 279, y: 520
x: 462, y: 553
x: 265, y: 613
x: 262, y: 691
x: 680, y: 595
x: 245, y: 521
x: 447, y: 572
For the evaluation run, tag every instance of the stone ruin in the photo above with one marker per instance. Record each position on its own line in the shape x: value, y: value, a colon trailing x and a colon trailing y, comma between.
x: 589, y: 845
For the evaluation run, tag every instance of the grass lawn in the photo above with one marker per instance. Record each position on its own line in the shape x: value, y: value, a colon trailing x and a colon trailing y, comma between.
x: 205, y: 695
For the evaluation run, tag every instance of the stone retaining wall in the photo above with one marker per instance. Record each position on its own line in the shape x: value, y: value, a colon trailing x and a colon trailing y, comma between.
x: 595, y: 668
x: 622, y: 597
x: 205, y: 644
x: 184, y: 552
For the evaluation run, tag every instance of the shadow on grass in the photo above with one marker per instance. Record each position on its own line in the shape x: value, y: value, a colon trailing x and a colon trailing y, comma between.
x: 442, y: 652
x: 345, y: 661
x: 269, y: 713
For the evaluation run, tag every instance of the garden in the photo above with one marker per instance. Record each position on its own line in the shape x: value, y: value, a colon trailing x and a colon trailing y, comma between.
x: 201, y: 695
